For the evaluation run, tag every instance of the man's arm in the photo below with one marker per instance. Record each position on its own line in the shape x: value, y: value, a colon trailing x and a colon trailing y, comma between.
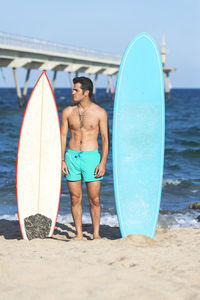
x: 64, y: 132
x: 103, y: 126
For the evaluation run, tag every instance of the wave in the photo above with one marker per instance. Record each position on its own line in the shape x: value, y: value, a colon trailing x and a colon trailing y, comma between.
x: 187, y: 131
x: 167, y: 219
x: 186, y: 218
x: 173, y: 182
x: 192, y: 185
x: 13, y: 217
x: 190, y: 153
x: 185, y: 153
x: 187, y: 143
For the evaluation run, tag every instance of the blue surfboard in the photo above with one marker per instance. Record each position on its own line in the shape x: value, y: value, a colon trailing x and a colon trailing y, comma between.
x: 138, y: 137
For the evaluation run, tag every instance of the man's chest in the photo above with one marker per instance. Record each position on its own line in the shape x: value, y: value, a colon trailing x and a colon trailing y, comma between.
x: 86, y: 121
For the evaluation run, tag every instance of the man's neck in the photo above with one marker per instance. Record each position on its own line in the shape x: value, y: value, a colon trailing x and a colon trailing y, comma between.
x: 84, y: 103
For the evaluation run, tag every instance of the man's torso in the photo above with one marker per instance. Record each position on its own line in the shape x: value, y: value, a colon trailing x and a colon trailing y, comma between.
x: 84, y: 128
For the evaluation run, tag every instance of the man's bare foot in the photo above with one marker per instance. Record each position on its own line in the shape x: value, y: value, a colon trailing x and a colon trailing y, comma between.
x: 96, y: 237
x: 78, y: 237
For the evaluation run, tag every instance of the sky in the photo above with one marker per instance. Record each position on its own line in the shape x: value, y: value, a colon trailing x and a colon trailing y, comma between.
x: 108, y: 26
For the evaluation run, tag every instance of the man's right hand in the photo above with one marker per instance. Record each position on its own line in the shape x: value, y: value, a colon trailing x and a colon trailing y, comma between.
x: 64, y: 168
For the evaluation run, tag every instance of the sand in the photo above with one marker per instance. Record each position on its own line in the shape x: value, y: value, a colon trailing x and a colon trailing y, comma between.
x: 135, y: 267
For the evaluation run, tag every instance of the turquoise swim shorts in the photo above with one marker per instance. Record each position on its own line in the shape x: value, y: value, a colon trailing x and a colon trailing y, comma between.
x: 82, y: 165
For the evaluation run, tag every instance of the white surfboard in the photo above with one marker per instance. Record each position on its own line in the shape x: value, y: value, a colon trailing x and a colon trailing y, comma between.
x: 38, y: 171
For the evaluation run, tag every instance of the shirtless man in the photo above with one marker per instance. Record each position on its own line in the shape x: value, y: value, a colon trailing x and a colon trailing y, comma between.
x: 82, y: 160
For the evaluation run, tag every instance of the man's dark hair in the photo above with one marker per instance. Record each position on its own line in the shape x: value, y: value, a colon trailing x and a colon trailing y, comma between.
x: 86, y: 84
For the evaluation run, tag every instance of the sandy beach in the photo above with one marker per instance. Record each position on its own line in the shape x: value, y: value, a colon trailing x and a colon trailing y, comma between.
x: 135, y: 267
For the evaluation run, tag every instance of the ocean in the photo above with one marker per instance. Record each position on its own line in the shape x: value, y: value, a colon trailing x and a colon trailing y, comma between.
x: 181, y: 182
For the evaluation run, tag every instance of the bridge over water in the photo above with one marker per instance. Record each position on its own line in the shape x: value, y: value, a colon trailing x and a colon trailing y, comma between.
x: 30, y: 53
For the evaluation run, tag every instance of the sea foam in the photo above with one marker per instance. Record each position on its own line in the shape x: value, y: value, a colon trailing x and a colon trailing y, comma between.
x: 167, y: 219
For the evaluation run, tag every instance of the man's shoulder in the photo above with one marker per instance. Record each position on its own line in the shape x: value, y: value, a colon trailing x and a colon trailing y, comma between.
x: 67, y: 110
x: 100, y: 110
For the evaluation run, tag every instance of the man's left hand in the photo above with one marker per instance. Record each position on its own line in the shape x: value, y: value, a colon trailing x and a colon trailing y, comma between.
x: 100, y: 170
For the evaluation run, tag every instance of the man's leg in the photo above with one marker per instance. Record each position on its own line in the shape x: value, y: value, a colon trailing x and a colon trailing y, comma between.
x: 93, y: 190
x: 75, y: 190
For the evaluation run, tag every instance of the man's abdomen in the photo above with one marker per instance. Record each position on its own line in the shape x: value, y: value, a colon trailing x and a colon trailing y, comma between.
x: 83, y: 142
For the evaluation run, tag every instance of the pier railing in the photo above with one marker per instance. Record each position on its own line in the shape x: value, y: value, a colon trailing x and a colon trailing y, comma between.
x: 37, y: 44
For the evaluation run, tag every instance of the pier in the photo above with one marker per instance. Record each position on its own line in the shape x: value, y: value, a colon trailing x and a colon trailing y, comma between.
x: 166, y: 70
x: 30, y: 53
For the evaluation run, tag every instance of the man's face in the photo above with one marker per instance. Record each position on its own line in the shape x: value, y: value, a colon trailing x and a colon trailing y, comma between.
x: 77, y: 93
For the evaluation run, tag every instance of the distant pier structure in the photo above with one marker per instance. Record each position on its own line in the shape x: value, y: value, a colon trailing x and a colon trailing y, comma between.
x: 29, y: 53
x: 166, y: 70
